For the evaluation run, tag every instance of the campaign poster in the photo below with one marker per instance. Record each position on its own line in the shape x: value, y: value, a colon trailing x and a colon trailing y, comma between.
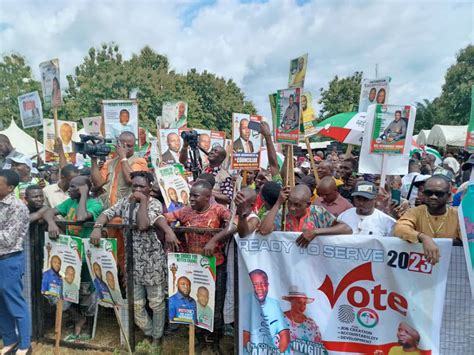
x: 50, y: 81
x: 120, y: 116
x: 466, y: 222
x: 173, y: 186
x: 31, y: 111
x: 392, y: 129
x: 308, y: 115
x: 287, y: 127
x: 373, y: 91
x: 170, y: 145
x: 298, y: 71
x: 469, y: 146
x: 62, y: 266
x: 102, y: 264
x: 246, y: 142
x: 174, y: 115
x: 192, y: 287
x: 67, y: 132
x: 204, y: 144
x: 341, y: 295
x: 217, y: 139
x: 93, y: 125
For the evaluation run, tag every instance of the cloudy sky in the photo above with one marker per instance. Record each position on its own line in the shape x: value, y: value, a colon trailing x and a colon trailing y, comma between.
x: 413, y: 41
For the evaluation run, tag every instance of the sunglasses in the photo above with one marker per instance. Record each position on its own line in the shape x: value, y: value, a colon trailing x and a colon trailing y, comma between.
x: 438, y: 194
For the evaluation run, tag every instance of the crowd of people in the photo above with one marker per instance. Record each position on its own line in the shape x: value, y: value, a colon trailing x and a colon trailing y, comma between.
x: 333, y: 200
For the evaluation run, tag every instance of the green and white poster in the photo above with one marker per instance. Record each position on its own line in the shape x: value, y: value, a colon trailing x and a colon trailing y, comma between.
x: 192, y: 287
x: 470, y: 128
x: 62, y: 267
x: 466, y: 221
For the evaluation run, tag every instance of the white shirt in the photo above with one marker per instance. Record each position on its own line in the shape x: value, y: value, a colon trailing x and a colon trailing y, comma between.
x: 246, y: 145
x: 377, y: 224
x: 406, y: 183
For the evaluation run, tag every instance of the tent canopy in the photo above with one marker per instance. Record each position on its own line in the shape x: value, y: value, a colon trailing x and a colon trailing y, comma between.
x: 442, y: 136
x: 21, y: 141
x: 422, y: 137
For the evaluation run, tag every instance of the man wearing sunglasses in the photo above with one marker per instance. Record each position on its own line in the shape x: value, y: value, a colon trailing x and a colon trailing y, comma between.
x: 433, y: 219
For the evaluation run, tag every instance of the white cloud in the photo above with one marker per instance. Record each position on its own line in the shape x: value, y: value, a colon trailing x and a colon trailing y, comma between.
x: 413, y: 42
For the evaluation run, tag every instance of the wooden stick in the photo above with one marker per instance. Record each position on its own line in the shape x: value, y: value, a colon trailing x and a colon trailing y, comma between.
x: 383, y: 175
x: 191, y: 339
x: 289, y: 160
x: 37, y: 148
x: 349, y: 150
x: 244, y: 180
x: 311, y: 160
x: 55, y: 116
x: 58, y: 325
x: 119, y: 320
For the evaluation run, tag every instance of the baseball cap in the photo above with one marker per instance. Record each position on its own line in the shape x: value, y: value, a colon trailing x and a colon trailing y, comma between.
x: 365, y: 189
x: 469, y: 163
x: 444, y: 173
x: 23, y: 159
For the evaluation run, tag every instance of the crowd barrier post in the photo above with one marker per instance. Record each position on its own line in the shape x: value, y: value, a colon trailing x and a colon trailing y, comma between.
x: 130, y: 286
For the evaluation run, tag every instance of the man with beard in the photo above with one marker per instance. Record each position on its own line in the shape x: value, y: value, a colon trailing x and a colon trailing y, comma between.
x: 290, y: 118
x: 171, y: 156
x: 397, y: 129
x: 182, y: 307
x: 7, y: 152
x: 35, y: 202
x: 174, y: 203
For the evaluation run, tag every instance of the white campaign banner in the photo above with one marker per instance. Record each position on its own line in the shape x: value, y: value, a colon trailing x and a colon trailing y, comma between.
x: 341, y: 295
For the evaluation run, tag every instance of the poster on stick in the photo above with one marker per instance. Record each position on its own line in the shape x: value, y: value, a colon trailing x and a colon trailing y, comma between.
x: 62, y: 267
x: 217, y: 139
x: 298, y: 71
x: 174, y: 115
x: 67, y: 133
x: 341, y: 295
x: 392, y: 125
x: 93, y: 125
x: 102, y: 264
x: 120, y: 116
x: 247, y: 140
x: 469, y: 146
x: 170, y: 145
x: 31, y: 110
x: 173, y: 186
x: 50, y: 81
x: 308, y: 116
x: 287, y: 126
x: 373, y: 91
x: 191, y: 285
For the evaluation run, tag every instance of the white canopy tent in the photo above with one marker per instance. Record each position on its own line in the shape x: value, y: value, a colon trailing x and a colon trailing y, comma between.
x: 21, y: 141
x: 422, y: 137
x: 442, y: 136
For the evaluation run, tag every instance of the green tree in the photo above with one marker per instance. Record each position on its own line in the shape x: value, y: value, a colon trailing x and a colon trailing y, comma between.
x: 15, y: 79
x: 426, y: 114
x: 454, y: 104
x: 342, y: 95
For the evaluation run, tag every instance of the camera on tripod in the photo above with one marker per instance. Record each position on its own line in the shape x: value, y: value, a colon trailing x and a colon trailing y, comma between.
x: 191, y: 138
x: 97, y: 147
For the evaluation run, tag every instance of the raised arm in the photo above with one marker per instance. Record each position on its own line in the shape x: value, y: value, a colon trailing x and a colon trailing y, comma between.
x: 271, y: 151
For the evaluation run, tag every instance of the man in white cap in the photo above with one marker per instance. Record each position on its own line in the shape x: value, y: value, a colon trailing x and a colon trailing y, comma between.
x: 23, y: 166
x: 364, y: 218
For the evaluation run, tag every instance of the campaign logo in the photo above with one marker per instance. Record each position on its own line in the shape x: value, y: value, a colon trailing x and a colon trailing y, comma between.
x: 205, y: 263
x: 367, y: 317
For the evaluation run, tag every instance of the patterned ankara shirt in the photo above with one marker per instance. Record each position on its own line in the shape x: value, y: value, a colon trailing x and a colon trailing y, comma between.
x: 223, y: 180
x: 14, y: 224
x: 315, y: 217
x: 214, y: 217
x: 148, y: 255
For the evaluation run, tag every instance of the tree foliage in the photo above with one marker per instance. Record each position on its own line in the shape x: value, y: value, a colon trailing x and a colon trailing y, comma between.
x: 342, y: 95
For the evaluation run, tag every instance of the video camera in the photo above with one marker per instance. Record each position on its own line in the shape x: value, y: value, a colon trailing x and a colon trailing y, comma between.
x: 191, y: 138
x: 98, y: 148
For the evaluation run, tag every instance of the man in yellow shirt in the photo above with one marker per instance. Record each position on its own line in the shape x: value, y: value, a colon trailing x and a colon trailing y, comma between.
x: 307, y: 112
x: 408, y: 338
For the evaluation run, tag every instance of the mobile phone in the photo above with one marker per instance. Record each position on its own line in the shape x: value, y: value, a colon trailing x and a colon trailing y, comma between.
x: 255, y: 126
x: 396, y: 194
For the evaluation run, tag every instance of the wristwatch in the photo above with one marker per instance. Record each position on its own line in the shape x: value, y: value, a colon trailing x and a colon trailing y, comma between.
x: 98, y: 225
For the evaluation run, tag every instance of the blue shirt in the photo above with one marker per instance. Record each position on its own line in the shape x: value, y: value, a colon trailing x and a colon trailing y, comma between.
x: 174, y: 206
x: 182, y: 309
x: 52, y: 284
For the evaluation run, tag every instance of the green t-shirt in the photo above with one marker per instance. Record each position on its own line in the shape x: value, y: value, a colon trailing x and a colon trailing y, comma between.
x: 68, y: 209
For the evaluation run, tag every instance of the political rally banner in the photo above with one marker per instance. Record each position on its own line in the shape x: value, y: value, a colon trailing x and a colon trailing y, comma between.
x: 102, y: 264
x: 67, y: 132
x: 170, y: 145
x: 298, y: 71
x: 217, y: 139
x: 469, y: 146
x: 120, y: 116
x: 397, y: 164
x: 287, y: 126
x: 247, y: 141
x: 466, y: 222
x: 31, y: 110
x: 341, y: 295
x: 174, y: 115
x: 391, y: 126
x: 93, y: 125
x: 373, y: 91
x: 62, y: 267
x: 192, y: 288
x: 50, y: 81
x: 308, y: 116
x: 173, y: 186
